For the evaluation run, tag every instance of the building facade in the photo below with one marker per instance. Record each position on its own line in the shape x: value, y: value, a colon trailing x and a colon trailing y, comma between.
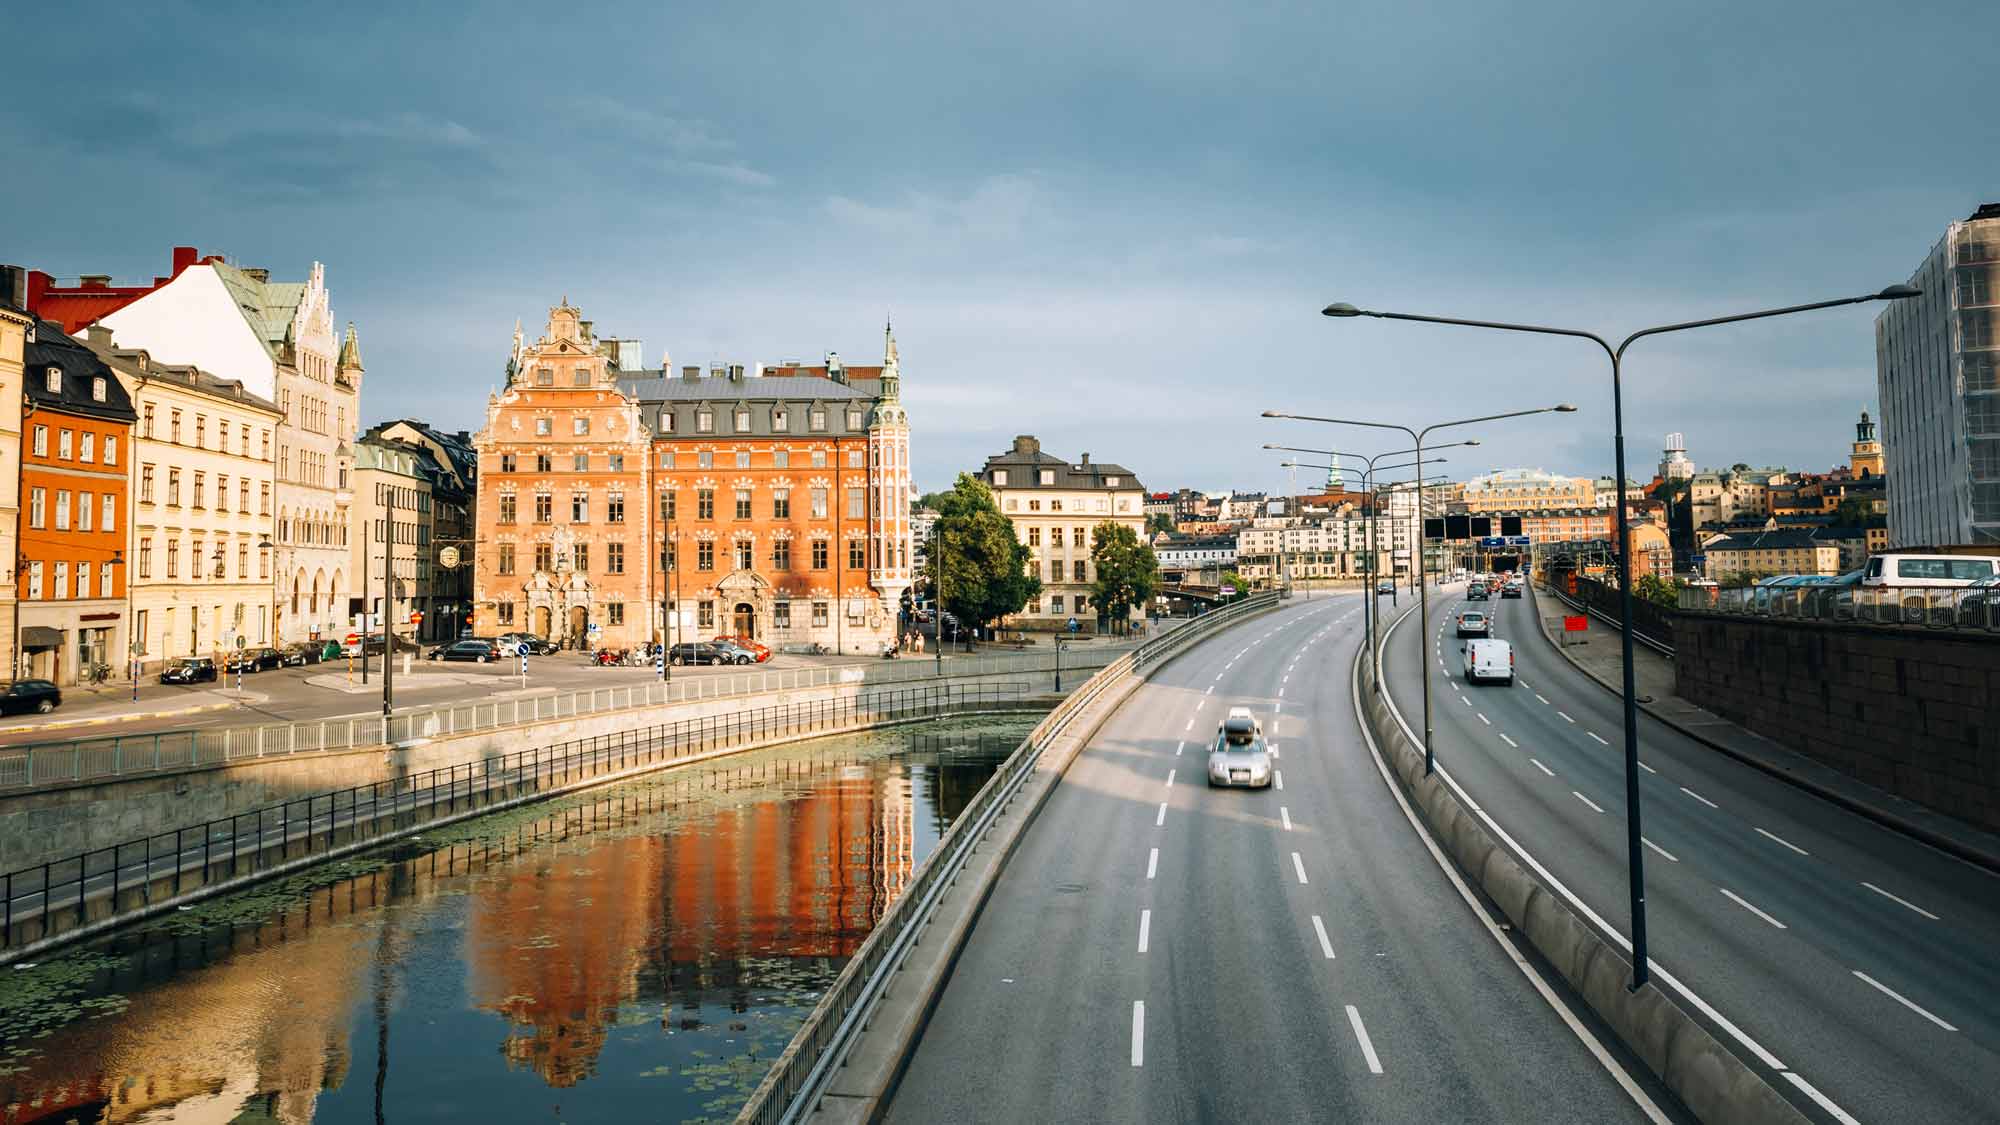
x: 202, y: 504
x: 451, y: 465
x: 1754, y: 554
x: 17, y: 327
x: 391, y: 552
x: 1937, y: 371
x: 1515, y: 490
x: 1056, y: 507
x: 73, y: 612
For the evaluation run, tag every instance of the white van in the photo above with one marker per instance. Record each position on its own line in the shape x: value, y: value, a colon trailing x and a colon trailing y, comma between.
x: 1488, y: 660
x: 1929, y: 570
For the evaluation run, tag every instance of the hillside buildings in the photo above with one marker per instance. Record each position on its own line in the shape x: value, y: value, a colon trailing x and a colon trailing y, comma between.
x: 1056, y: 506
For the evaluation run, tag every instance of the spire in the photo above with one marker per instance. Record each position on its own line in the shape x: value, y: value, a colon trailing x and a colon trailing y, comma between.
x: 350, y: 349
x: 892, y: 372
x: 888, y: 343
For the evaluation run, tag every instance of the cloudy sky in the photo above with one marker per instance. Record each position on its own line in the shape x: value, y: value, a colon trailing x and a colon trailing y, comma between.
x: 1109, y: 225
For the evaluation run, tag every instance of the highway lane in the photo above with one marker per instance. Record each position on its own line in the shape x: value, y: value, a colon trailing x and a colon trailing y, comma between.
x: 1157, y: 950
x: 1858, y: 959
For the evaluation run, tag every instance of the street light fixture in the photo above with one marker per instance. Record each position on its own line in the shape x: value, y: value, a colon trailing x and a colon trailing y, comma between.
x: 1635, y: 861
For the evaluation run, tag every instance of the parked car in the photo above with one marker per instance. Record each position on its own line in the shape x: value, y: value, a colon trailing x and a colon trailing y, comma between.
x: 191, y: 670
x: 298, y: 654
x: 23, y: 696
x: 329, y: 650
x: 1385, y: 586
x: 694, y: 652
x: 1473, y: 623
x: 251, y: 660
x: 477, y: 651
x: 1488, y: 659
x: 1239, y: 756
x: 368, y: 645
x: 761, y: 651
x: 733, y: 653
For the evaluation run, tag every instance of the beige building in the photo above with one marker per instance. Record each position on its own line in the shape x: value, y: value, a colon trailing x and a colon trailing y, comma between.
x: 1055, y: 505
x: 393, y: 526
x: 201, y: 520
x: 1765, y: 553
x: 1527, y: 490
x: 15, y: 326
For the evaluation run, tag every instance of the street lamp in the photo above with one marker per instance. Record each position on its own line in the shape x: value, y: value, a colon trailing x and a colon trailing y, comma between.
x: 1374, y: 511
x: 1635, y: 862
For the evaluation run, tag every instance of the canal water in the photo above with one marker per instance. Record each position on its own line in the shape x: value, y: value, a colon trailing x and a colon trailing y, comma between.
x: 636, y: 953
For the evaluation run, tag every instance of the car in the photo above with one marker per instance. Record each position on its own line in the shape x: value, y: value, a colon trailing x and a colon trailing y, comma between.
x: 298, y: 654
x: 1385, y: 586
x: 329, y: 650
x: 477, y: 650
x: 1512, y: 589
x: 251, y: 660
x: 1473, y: 623
x: 694, y: 652
x: 1244, y: 713
x: 1239, y: 758
x: 760, y: 651
x: 189, y: 670
x: 1476, y: 592
x: 23, y: 696
x: 360, y: 646
x: 1488, y: 659
x: 732, y: 653
x: 513, y: 644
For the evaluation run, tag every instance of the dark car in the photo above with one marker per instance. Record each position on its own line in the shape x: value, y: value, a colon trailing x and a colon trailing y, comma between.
x: 477, y: 651
x: 22, y: 696
x: 1511, y: 590
x: 695, y: 652
x: 193, y: 670
x: 298, y: 654
x: 1476, y: 592
x: 252, y: 660
x: 729, y: 652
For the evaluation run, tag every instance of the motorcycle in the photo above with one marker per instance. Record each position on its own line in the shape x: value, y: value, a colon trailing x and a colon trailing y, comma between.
x: 608, y: 657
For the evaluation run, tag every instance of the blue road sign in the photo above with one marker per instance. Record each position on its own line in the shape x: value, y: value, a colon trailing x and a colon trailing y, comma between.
x: 1491, y: 541
x: 1517, y: 540
x: 524, y: 662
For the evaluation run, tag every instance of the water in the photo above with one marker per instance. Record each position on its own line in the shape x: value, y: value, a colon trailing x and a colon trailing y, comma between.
x: 640, y: 952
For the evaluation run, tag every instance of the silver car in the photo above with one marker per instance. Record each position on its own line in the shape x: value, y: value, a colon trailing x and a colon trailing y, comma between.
x: 1239, y: 757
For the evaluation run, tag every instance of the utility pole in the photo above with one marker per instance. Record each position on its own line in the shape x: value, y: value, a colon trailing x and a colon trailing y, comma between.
x: 388, y: 607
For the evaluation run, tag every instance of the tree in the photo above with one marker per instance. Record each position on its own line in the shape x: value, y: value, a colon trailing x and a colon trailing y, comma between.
x: 1659, y: 591
x: 1128, y: 573
x: 1236, y: 582
x: 985, y: 565
x: 1160, y: 521
x: 1858, y: 511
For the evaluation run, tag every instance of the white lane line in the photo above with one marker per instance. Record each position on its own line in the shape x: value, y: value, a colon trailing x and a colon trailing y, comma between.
x: 1153, y: 863
x: 1699, y: 797
x: 1325, y: 946
x: 1647, y: 768
x: 1738, y: 900
x: 1659, y: 849
x: 1565, y: 716
x: 1903, y: 1000
x: 1210, y: 690
x: 1820, y: 1099
x: 1541, y: 767
x: 1162, y: 818
x: 1510, y: 742
x: 1780, y: 839
x: 1285, y: 815
x: 1278, y: 707
x: 1299, y: 867
x: 1278, y: 778
x: 1538, y: 695
x: 1287, y: 678
x: 1483, y: 718
x: 1361, y: 1036
x: 1600, y: 740
x: 1170, y: 778
x: 1273, y: 748
x: 1138, y: 1033
x: 1900, y: 901
x: 1179, y: 746
x: 1593, y: 804
x: 1145, y: 928
x: 1464, y: 700
x: 1189, y: 726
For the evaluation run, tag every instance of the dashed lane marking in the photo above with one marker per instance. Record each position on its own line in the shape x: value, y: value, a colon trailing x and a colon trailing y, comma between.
x: 1541, y: 767
x: 1901, y: 999
x: 1699, y: 797
x: 1900, y: 901
x: 1594, y: 807
x: 1740, y: 901
x: 1775, y: 838
x: 1659, y: 849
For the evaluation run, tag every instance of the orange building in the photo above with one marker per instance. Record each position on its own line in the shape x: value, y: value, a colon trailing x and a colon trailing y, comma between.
x: 76, y: 433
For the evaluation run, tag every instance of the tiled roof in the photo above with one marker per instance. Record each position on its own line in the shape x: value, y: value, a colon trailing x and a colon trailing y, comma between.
x: 793, y: 388
x: 1780, y: 540
x: 1027, y: 454
x: 80, y: 367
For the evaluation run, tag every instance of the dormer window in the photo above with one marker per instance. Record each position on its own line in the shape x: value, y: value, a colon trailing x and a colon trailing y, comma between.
x: 1111, y: 482
x: 742, y: 419
x: 704, y: 421
x: 1000, y: 477
x: 853, y: 419
x: 55, y: 380
x: 1048, y: 477
x: 666, y: 420
x: 97, y: 388
x: 818, y: 420
x: 779, y: 423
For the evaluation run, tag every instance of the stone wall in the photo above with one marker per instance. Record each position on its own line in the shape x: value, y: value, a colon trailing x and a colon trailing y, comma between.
x: 1913, y: 712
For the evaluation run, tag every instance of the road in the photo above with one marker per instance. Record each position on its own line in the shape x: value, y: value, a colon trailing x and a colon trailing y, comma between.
x: 1859, y: 961
x: 1160, y: 951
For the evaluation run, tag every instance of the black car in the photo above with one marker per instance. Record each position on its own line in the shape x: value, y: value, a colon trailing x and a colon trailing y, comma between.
x: 1476, y: 592
x: 696, y: 652
x: 477, y: 651
x: 22, y: 696
x: 1511, y: 590
x: 193, y: 670
x: 252, y: 660
x: 301, y: 653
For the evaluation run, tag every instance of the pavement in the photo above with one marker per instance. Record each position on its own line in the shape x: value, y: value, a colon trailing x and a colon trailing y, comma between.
x: 1850, y: 964
x: 1159, y: 950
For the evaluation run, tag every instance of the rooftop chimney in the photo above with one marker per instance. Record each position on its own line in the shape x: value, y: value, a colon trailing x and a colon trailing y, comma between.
x: 185, y: 256
x: 1086, y: 459
x: 1026, y: 444
x: 736, y: 373
x: 95, y: 280
x: 692, y: 372
x: 257, y: 273
x: 98, y: 336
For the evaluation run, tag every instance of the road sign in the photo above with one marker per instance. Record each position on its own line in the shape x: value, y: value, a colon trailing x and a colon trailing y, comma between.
x: 1576, y: 623
x: 1517, y: 540
x: 594, y: 628
x: 1699, y: 561
x: 524, y: 662
x: 417, y: 617
x: 1491, y: 541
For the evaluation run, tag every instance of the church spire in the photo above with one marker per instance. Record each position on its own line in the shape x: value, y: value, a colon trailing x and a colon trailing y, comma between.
x: 350, y: 350
x: 892, y: 373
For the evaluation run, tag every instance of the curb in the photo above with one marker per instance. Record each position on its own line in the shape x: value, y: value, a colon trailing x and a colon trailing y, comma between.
x: 143, y: 716
x: 1978, y: 857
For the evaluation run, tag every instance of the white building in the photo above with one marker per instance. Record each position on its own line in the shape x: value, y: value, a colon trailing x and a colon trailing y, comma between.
x: 1674, y: 463
x: 1194, y: 554
x: 1056, y: 507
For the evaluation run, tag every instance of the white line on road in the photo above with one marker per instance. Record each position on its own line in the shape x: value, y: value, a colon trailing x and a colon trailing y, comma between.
x: 1210, y: 690
x: 1820, y: 1099
x: 1900, y: 902
x: 1738, y: 900
x: 1189, y: 726
x: 1153, y: 863
x: 1903, y: 1000
x: 1586, y: 800
x: 1138, y: 1033
x: 1145, y: 928
x: 1170, y: 778
x: 1541, y: 767
x: 1647, y: 768
x: 1278, y: 778
x: 1600, y: 739
x: 1781, y: 840
x: 1285, y: 815
x: 1274, y: 750
x: 1179, y: 746
x: 1565, y: 716
x: 1538, y: 695
x: 1278, y: 707
x: 1510, y: 742
x: 1325, y: 946
x: 1162, y: 818
x: 1299, y: 866
x: 1464, y: 700
x: 1699, y: 797
x: 1483, y: 718
x: 1361, y: 1036
x: 1659, y: 849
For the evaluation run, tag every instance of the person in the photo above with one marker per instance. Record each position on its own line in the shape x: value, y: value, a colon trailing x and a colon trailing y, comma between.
x: 917, y: 644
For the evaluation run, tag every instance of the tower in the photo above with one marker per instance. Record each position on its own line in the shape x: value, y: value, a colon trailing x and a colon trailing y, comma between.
x: 1674, y: 463
x: 889, y: 479
x: 1866, y: 458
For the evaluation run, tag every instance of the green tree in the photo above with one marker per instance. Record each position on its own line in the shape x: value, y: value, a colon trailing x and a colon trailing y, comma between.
x: 1858, y: 511
x: 1160, y: 521
x: 1128, y: 573
x: 1659, y: 591
x: 1236, y: 582
x: 985, y: 565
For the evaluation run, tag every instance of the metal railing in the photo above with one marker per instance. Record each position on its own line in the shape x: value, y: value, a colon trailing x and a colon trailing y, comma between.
x: 105, y: 886
x: 800, y: 1075
x: 1970, y: 610
x: 90, y: 759
x: 1649, y: 619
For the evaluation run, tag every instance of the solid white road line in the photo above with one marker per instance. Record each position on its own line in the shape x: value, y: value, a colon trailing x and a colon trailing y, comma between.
x: 1483, y: 718
x: 1600, y: 739
x: 1903, y: 1000
x: 1510, y: 742
x: 1647, y: 768
x: 1278, y: 777
x: 1361, y: 1036
x: 1145, y: 928
x: 1820, y: 1099
x: 1659, y: 849
x: 1780, y: 839
x: 1153, y: 863
x: 1699, y: 797
x: 1189, y: 726
x: 1299, y: 867
x: 1210, y: 690
x: 1285, y: 815
x: 1541, y: 767
x: 1586, y: 800
x: 1138, y: 1033
x: 1170, y: 778
x: 1538, y: 695
x: 1178, y: 747
x: 1738, y: 900
x: 1325, y: 946
x: 1464, y: 700
x: 1162, y: 818
x: 1900, y: 901
x: 1278, y: 707
x: 1565, y: 716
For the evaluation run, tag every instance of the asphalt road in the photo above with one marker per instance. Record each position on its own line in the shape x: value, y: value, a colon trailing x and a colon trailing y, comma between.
x: 1160, y: 951
x: 1859, y: 962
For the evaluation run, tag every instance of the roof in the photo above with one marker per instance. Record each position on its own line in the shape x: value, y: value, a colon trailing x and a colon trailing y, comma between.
x: 763, y: 388
x: 140, y: 363
x: 269, y: 306
x: 52, y: 347
x: 1783, y: 539
x: 1085, y: 475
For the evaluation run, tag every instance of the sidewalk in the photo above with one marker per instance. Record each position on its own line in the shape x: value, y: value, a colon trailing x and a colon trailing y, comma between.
x: 125, y: 710
x: 1653, y: 680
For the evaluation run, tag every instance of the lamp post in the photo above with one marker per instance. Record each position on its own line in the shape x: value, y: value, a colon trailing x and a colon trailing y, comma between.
x: 1423, y: 600
x: 1635, y: 862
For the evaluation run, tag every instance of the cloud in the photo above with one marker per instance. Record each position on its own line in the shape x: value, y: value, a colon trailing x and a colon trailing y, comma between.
x: 637, y: 123
x: 735, y: 173
x: 998, y: 207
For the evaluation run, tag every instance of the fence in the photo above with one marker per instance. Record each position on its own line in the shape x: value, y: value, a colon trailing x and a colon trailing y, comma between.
x: 1652, y: 624
x: 91, y: 759
x: 795, y: 1082
x: 1974, y: 610
x: 103, y: 887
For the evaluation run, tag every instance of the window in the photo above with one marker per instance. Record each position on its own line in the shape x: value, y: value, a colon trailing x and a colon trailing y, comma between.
x: 704, y: 555
x: 110, y: 449
x: 1048, y: 476
x: 1077, y: 535
x: 64, y: 443
x: 580, y: 378
x: 583, y: 558
x: 1055, y: 570
x: 781, y: 503
x: 145, y: 560
x: 1000, y: 478
x: 781, y: 615
x: 742, y: 458
x: 545, y: 376
x: 506, y: 563
x: 779, y: 422
x: 506, y: 507
x: 1077, y: 571
x: 1056, y: 603
x: 857, y: 558
x: 544, y: 427
x: 545, y: 557
x: 1056, y: 505
x: 198, y: 478
x: 819, y: 554
x: 222, y: 435
x: 87, y: 447
x: 146, y: 484
x: 1082, y: 603
x: 857, y: 504
x: 173, y: 558
x: 819, y: 458
x: 506, y: 462
x: 579, y: 507
x: 62, y: 510
x: 615, y: 462
x: 614, y: 507
x: 580, y: 426
x: 201, y: 431
x: 817, y: 420
x: 704, y: 459
x: 35, y: 580
x: 742, y: 419
x: 745, y: 554
x: 242, y: 560
x: 83, y: 511
x: 62, y: 581
x: 704, y: 421
x: 37, y: 507
x: 819, y: 503
x: 263, y: 498
x: 819, y: 615
x: 41, y: 441
x: 742, y: 503
x: 243, y: 495
x: 545, y: 507
x: 704, y: 504
x: 853, y: 419
x: 705, y: 614
x: 504, y: 612
x: 614, y: 558
x: 543, y: 463
x: 667, y: 505
x: 781, y: 458
x: 146, y: 422
x: 617, y: 611
x: 781, y: 555
x: 854, y: 459
x: 1034, y: 537
x: 666, y: 459
x: 54, y: 380
x: 580, y: 463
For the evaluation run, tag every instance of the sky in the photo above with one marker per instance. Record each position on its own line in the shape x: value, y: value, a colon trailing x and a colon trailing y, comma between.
x: 1108, y: 225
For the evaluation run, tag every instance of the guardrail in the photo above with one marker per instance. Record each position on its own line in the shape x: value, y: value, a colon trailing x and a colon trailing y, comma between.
x: 105, y: 887
x: 799, y: 1077
x: 1971, y: 610
x: 92, y: 759
x: 1639, y: 636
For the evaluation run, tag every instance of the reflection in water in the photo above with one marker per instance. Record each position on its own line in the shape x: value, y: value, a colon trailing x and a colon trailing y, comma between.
x: 639, y: 951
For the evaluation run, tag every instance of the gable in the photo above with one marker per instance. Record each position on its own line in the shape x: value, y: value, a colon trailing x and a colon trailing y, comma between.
x: 195, y: 319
